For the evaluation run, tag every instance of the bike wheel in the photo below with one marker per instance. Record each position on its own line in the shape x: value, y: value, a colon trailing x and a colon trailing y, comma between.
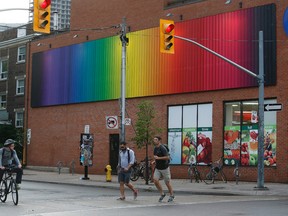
x: 197, y: 176
x: 14, y: 191
x: 149, y: 173
x: 209, y: 178
x: 190, y: 174
x: 134, y: 174
x: 3, y: 191
x: 223, y: 176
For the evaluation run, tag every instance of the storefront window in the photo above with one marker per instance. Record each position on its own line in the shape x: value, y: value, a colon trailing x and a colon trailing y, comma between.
x: 190, y: 133
x: 241, y: 134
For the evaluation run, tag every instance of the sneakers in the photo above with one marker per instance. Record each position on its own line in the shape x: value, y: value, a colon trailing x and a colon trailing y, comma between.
x: 135, y: 194
x: 171, y: 198
x: 121, y: 198
x: 162, y: 197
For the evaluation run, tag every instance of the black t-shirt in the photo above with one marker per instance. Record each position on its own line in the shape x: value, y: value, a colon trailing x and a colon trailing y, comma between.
x: 160, y: 152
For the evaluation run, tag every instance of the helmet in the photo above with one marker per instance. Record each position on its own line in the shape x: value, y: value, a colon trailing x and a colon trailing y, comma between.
x: 9, y: 142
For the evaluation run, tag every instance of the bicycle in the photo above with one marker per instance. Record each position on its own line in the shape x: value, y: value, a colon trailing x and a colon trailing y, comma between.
x: 139, y: 170
x: 194, y: 173
x: 216, y: 168
x: 8, y: 185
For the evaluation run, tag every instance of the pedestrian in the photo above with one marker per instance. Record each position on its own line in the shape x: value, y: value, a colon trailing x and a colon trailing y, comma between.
x: 162, y: 169
x: 8, y: 156
x: 125, y: 162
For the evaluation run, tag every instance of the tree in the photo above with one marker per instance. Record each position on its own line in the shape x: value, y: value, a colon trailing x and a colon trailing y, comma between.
x: 145, y: 128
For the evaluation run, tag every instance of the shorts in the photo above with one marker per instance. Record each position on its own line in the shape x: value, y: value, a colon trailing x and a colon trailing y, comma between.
x: 124, y: 177
x: 165, y: 173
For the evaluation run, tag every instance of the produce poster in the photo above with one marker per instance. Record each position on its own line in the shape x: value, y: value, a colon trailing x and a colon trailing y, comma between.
x: 231, y: 145
x: 189, y: 145
x: 174, y: 144
x: 249, y: 145
x: 204, y: 145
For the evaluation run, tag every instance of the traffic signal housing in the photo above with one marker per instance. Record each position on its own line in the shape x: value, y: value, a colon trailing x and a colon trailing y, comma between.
x: 42, y: 16
x: 167, y: 36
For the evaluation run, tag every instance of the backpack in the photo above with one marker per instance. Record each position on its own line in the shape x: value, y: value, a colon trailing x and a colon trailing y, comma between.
x: 3, y: 151
x: 168, y: 150
x: 135, y: 161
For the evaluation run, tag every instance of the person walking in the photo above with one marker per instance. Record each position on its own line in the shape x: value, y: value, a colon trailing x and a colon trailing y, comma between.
x: 162, y: 169
x: 8, y: 156
x: 125, y: 162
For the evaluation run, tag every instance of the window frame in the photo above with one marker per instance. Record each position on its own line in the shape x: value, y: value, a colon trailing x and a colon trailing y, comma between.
x: 3, y: 74
x: 19, y: 122
x: 18, y: 87
x: 2, y: 106
x: 21, y: 57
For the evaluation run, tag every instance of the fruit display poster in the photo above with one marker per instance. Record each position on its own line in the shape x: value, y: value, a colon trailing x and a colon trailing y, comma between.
x: 189, y: 145
x: 204, y: 145
x: 249, y: 145
x: 174, y: 144
x: 232, y: 145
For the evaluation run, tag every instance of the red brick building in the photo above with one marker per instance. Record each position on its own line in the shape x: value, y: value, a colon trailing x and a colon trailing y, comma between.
x: 207, y: 107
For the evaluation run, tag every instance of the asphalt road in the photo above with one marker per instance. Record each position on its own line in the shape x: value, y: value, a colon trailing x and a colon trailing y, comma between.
x: 45, y: 199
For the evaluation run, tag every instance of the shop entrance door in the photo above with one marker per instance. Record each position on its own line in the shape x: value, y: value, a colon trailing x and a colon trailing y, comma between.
x: 114, y: 151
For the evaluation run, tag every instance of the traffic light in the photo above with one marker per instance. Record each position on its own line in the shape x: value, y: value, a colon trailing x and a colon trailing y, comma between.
x: 167, y: 36
x: 42, y: 13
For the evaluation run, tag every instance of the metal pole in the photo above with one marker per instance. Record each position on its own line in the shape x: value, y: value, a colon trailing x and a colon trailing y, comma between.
x: 260, y: 78
x: 260, y: 179
x: 220, y: 56
x: 124, y: 41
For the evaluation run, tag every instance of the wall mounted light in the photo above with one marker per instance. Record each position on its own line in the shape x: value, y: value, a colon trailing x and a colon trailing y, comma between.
x: 43, y: 44
x: 228, y: 1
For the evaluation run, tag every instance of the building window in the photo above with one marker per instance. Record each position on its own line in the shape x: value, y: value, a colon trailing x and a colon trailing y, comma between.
x: 20, y: 86
x: 19, y: 118
x: 21, y: 54
x: 190, y: 133
x: 3, y: 69
x: 3, y: 101
x: 241, y: 134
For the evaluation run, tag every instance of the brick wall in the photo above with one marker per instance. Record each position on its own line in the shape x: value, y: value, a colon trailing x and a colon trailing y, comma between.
x: 56, y: 130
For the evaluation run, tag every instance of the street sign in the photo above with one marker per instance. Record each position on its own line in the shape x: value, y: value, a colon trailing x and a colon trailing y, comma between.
x: 111, y: 122
x: 272, y: 107
x: 127, y: 121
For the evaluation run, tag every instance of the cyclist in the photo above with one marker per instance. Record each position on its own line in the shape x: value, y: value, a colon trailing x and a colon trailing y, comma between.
x: 8, y: 156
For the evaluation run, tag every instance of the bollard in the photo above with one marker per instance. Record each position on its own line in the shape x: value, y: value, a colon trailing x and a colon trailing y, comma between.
x: 108, y: 171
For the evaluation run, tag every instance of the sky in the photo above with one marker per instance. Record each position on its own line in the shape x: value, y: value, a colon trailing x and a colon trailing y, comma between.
x: 14, y: 16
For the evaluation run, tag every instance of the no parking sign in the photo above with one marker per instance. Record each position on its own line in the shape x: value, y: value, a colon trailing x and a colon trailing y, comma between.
x: 111, y: 122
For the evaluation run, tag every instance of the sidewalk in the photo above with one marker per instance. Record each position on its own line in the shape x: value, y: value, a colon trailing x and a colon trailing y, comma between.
x: 179, y: 185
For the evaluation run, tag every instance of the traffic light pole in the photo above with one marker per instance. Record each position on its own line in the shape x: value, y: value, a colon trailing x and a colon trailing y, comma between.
x: 260, y: 79
x: 124, y: 41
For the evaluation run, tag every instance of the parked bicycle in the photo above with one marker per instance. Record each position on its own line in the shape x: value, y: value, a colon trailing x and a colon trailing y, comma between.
x: 8, y: 185
x: 139, y: 170
x: 216, y: 171
x: 194, y: 173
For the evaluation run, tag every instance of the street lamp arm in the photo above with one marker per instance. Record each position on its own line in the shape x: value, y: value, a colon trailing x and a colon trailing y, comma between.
x: 220, y: 56
x: 11, y: 9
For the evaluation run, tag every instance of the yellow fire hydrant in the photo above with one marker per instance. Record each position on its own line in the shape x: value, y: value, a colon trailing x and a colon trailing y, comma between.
x: 108, y: 171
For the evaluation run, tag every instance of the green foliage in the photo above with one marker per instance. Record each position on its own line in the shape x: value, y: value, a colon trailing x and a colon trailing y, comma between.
x: 10, y: 132
x: 145, y: 126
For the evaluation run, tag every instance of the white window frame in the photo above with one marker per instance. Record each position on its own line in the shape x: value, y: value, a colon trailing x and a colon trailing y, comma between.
x: 3, y: 104
x: 21, y: 56
x: 20, y: 89
x: 19, y: 118
x: 3, y: 74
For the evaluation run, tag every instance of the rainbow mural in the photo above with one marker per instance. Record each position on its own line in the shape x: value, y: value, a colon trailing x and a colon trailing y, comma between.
x: 91, y: 71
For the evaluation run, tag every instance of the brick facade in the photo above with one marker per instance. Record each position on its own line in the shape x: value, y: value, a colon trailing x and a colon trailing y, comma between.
x: 56, y: 130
